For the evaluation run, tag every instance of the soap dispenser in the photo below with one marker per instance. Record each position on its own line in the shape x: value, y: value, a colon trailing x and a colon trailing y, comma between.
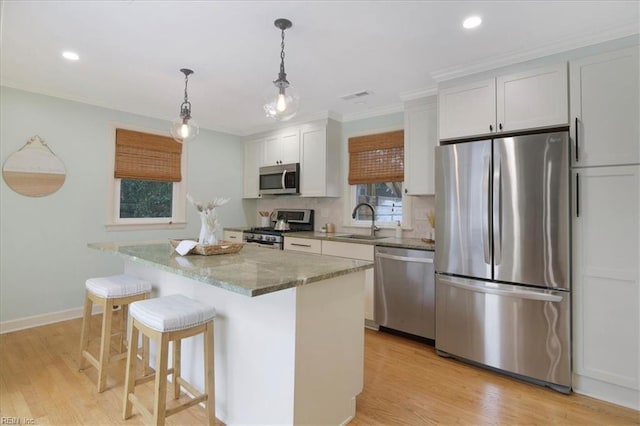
x: 398, y: 230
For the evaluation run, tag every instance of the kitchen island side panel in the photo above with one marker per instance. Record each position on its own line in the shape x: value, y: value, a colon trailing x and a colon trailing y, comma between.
x: 287, y: 357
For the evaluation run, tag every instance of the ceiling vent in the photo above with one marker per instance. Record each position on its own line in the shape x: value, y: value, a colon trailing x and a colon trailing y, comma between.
x: 356, y: 95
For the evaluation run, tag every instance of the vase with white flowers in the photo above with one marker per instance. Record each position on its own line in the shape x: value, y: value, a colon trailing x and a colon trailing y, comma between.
x: 208, y: 219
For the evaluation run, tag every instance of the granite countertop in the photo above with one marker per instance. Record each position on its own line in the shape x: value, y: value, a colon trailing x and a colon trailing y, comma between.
x: 253, y: 271
x: 410, y: 243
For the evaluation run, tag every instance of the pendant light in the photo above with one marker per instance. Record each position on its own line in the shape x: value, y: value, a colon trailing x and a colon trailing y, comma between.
x: 185, y: 128
x: 282, y: 103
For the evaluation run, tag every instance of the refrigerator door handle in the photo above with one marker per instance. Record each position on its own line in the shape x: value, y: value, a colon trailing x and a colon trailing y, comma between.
x: 520, y: 294
x: 486, y: 205
x: 497, y: 209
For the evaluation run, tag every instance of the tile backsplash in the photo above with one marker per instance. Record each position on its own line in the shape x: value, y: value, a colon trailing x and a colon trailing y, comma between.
x: 331, y: 210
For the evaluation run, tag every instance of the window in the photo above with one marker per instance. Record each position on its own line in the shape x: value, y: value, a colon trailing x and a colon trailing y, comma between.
x: 376, y: 172
x: 147, y: 186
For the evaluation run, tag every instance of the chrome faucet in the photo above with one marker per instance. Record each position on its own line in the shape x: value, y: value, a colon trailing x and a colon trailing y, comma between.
x: 374, y: 228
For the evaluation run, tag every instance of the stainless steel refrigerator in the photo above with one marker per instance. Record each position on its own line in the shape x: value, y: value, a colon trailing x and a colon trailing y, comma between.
x: 503, y: 255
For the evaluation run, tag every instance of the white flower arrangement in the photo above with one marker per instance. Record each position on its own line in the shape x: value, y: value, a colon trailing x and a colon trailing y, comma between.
x: 208, y: 218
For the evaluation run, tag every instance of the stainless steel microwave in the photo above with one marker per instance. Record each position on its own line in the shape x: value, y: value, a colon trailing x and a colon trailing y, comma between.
x: 280, y: 179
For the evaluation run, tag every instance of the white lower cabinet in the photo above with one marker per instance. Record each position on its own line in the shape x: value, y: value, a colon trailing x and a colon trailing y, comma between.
x: 307, y: 245
x: 360, y: 252
x: 233, y: 236
x: 606, y: 283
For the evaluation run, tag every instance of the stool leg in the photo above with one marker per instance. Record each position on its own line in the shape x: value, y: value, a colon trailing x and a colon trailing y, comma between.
x: 145, y: 355
x: 123, y: 327
x: 86, y: 328
x: 130, y: 375
x: 209, y: 371
x: 160, y: 403
x: 105, y: 344
x: 177, y: 349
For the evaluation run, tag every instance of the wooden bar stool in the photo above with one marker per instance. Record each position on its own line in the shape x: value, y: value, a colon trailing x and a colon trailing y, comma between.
x: 116, y: 290
x: 170, y: 319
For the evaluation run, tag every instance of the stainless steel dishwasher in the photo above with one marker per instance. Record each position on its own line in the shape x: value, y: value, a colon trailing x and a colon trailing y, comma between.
x: 404, y: 291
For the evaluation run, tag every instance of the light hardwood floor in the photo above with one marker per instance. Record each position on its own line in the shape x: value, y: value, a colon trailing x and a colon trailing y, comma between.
x: 406, y: 383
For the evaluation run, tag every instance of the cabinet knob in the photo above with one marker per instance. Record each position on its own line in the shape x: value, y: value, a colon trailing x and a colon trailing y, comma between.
x: 406, y: 191
x: 491, y: 127
x: 500, y: 126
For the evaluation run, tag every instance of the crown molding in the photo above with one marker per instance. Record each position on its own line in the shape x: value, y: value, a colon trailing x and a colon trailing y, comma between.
x: 412, y: 95
x: 372, y: 112
x: 567, y: 44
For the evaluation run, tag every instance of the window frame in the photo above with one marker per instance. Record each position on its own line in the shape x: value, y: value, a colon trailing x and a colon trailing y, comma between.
x: 178, y: 208
x: 350, y: 193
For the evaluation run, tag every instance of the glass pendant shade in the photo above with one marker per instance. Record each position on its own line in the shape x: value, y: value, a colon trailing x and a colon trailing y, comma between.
x: 281, y: 104
x: 184, y: 130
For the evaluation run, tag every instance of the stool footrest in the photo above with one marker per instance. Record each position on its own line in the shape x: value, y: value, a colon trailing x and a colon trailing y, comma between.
x: 146, y: 414
x: 193, y: 401
x: 92, y: 360
x: 188, y: 386
x: 149, y: 377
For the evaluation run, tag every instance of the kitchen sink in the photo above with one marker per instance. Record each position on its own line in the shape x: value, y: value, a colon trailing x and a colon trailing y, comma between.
x: 359, y: 237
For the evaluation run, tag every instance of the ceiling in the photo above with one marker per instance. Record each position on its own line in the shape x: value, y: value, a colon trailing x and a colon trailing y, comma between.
x: 131, y: 50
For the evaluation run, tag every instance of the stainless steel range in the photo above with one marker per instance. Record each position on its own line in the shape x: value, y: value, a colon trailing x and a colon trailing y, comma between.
x: 283, y: 222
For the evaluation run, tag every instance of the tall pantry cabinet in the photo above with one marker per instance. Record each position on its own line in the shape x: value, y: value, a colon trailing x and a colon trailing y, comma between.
x: 605, y: 115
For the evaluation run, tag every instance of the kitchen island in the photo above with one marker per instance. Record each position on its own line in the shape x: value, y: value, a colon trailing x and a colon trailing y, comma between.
x: 289, y: 338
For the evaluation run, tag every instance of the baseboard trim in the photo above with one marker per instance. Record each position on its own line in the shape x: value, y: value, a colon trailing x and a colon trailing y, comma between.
x: 44, y: 319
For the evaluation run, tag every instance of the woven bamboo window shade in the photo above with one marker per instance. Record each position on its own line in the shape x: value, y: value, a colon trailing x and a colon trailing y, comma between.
x: 376, y: 158
x: 144, y: 156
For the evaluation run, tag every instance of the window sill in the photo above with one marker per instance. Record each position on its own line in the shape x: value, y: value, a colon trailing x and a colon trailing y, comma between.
x: 145, y: 226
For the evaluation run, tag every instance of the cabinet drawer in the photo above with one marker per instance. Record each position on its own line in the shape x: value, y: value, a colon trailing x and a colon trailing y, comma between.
x: 233, y: 236
x: 306, y: 245
x: 348, y: 250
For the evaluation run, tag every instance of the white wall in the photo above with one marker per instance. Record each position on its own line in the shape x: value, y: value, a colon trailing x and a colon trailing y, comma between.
x: 44, y: 259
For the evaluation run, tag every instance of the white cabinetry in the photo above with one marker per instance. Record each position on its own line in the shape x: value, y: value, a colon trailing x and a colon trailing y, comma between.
x: 467, y: 110
x: 233, y: 236
x: 282, y: 147
x: 320, y: 160
x: 420, y: 139
x: 360, y: 252
x: 252, y: 161
x: 307, y: 245
x: 605, y: 105
x: 530, y: 99
x: 606, y: 283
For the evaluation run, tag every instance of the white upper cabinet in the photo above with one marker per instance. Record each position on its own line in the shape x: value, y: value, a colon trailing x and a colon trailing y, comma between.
x: 605, y: 106
x: 420, y: 139
x: 526, y: 100
x: 534, y: 98
x: 467, y: 110
x: 320, y: 161
x: 282, y: 148
x: 252, y: 160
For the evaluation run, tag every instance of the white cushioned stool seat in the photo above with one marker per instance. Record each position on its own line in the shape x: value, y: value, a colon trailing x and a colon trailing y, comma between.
x: 171, y: 313
x: 117, y: 286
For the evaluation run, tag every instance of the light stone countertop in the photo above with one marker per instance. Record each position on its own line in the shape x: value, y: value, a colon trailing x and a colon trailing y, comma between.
x: 253, y: 271
x: 409, y: 243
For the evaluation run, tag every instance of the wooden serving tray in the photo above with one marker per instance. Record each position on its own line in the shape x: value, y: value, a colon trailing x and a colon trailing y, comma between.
x: 223, y: 247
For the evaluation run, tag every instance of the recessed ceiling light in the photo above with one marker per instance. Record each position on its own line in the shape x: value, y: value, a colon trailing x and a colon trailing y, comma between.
x: 72, y: 56
x: 472, y: 22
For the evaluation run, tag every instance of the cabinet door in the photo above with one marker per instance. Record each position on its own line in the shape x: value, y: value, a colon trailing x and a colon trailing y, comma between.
x: 467, y: 110
x: 420, y: 139
x: 534, y: 98
x: 605, y: 104
x: 313, y: 163
x: 252, y: 162
x: 290, y: 147
x: 606, y: 274
x: 306, y: 245
x: 272, y: 151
